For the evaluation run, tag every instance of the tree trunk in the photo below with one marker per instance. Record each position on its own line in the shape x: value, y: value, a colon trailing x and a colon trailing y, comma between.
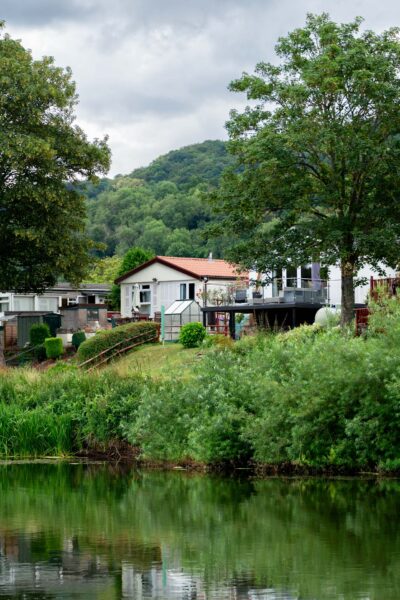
x: 347, y: 276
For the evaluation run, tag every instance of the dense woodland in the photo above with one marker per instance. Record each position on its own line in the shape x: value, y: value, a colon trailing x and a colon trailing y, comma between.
x: 162, y: 207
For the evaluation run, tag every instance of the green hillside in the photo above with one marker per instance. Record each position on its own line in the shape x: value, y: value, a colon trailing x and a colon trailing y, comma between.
x: 160, y: 207
x: 188, y: 166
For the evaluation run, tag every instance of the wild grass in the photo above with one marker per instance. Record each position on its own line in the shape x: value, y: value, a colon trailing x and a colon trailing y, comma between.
x: 159, y: 361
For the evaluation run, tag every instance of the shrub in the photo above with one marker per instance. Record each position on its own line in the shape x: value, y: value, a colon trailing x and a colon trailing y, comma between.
x: 38, y: 333
x: 77, y: 338
x: 109, y: 338
x: 40, y: 353
x: 54, y: 347
x: 218, y: 340
x: 192, y: 334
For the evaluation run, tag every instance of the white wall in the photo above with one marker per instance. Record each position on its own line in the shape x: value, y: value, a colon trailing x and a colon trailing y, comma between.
x: 164, y: 284
x: 361, y: 291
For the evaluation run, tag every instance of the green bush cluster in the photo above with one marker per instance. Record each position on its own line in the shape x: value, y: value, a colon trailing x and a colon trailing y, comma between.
x: 315, y: 398
x: 192, y: 334
x: 320, y: 399
x: 77, y: 338
x: 107, y: 339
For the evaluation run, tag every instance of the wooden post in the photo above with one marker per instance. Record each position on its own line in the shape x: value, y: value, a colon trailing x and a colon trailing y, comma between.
x: 232, y: 324
x: 162, y: 324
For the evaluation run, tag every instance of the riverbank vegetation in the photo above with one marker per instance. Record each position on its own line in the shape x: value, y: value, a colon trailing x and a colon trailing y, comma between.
x: 311, y: 398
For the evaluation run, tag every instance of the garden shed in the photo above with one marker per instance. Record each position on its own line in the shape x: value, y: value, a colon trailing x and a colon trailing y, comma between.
x: 179, y: 313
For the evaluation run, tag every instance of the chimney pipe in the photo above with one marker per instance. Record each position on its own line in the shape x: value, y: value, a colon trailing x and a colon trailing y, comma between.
x: 210, y: 257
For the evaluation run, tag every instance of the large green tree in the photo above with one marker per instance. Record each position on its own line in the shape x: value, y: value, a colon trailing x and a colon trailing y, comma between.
x: 43, y: 154
x: 318, y: 154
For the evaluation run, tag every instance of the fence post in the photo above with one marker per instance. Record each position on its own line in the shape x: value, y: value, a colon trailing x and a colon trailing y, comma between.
x: 162, y: 323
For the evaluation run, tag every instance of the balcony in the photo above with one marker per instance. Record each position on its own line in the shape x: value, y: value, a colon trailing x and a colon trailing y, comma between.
x: 282, y: 292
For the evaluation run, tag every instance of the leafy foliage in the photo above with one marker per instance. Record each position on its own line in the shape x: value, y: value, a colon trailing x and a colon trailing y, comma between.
x: 318, y: 154
x: 188, y: 166
x: 42, y: 154
x: 192, y: 334
x: 160, y: 207
x: 104, y: 270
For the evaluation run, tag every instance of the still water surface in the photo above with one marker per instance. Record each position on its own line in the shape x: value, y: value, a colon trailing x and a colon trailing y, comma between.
x: 96, y: 531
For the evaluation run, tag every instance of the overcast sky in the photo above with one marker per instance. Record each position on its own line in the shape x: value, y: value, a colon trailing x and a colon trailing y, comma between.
x: 153, y: 74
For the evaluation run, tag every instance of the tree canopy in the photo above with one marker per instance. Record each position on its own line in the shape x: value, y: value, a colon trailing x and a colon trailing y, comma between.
x: 318, y: 154
x: 43, y: 153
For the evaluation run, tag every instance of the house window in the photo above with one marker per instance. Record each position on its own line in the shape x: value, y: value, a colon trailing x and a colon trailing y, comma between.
x: 186, y: 291
x: 4, y: 304
x: 93, y: 314
x: 50, y: 304
x: 291, y: 277
x: 306, y: 276
x: 145, y: 294
x: 24, y: 303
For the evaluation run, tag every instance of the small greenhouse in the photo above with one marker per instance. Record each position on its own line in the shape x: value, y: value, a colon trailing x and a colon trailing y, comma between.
x: 179, y: 313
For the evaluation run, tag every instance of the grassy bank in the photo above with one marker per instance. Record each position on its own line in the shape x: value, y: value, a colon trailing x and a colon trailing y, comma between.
x: 309, y: 399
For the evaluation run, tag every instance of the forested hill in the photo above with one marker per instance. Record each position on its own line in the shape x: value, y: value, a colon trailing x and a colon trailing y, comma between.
x: 160, y: 207
x: 189, y: 166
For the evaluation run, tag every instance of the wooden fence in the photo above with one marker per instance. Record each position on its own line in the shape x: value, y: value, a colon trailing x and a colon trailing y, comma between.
x: 120, y: 348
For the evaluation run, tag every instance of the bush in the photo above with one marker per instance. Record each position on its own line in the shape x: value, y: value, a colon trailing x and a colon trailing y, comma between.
x: 192, y: 334
x: 77, y: 338
x: 218, y: 340
x: 54, y: 347
x: 38, y: 333
x: 40, y: 353
x: 109, y: 338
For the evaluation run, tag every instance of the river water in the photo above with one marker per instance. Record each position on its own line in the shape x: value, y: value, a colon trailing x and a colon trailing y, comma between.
x: 97, y: 531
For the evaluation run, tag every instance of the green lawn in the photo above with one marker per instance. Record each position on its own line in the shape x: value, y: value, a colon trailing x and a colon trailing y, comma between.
x: 161, y: 362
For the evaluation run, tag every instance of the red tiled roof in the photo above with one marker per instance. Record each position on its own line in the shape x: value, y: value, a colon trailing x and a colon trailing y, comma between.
x: 196, y: 267
x: 204, y: 267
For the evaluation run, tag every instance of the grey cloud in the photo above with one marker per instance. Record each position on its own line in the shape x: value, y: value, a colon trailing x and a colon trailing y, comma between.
x: 154, y: 73
x: 43, y: 12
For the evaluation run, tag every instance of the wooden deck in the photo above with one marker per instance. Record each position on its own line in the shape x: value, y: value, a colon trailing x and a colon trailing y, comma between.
x: 269, y: 315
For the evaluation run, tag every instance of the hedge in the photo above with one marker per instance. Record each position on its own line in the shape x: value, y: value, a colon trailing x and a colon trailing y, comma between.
x: 106, y: 339
x: 38, y: 333
x: 78, y: 338
x: 54, y: 347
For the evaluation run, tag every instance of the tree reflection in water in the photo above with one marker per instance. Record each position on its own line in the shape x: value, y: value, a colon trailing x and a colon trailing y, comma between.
x: 99, y: 531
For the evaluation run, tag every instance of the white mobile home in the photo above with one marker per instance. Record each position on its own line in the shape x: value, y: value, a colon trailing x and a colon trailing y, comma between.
x: 165, y: 279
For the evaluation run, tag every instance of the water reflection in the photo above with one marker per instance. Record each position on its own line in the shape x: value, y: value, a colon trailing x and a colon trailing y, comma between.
x: 89, y: 531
